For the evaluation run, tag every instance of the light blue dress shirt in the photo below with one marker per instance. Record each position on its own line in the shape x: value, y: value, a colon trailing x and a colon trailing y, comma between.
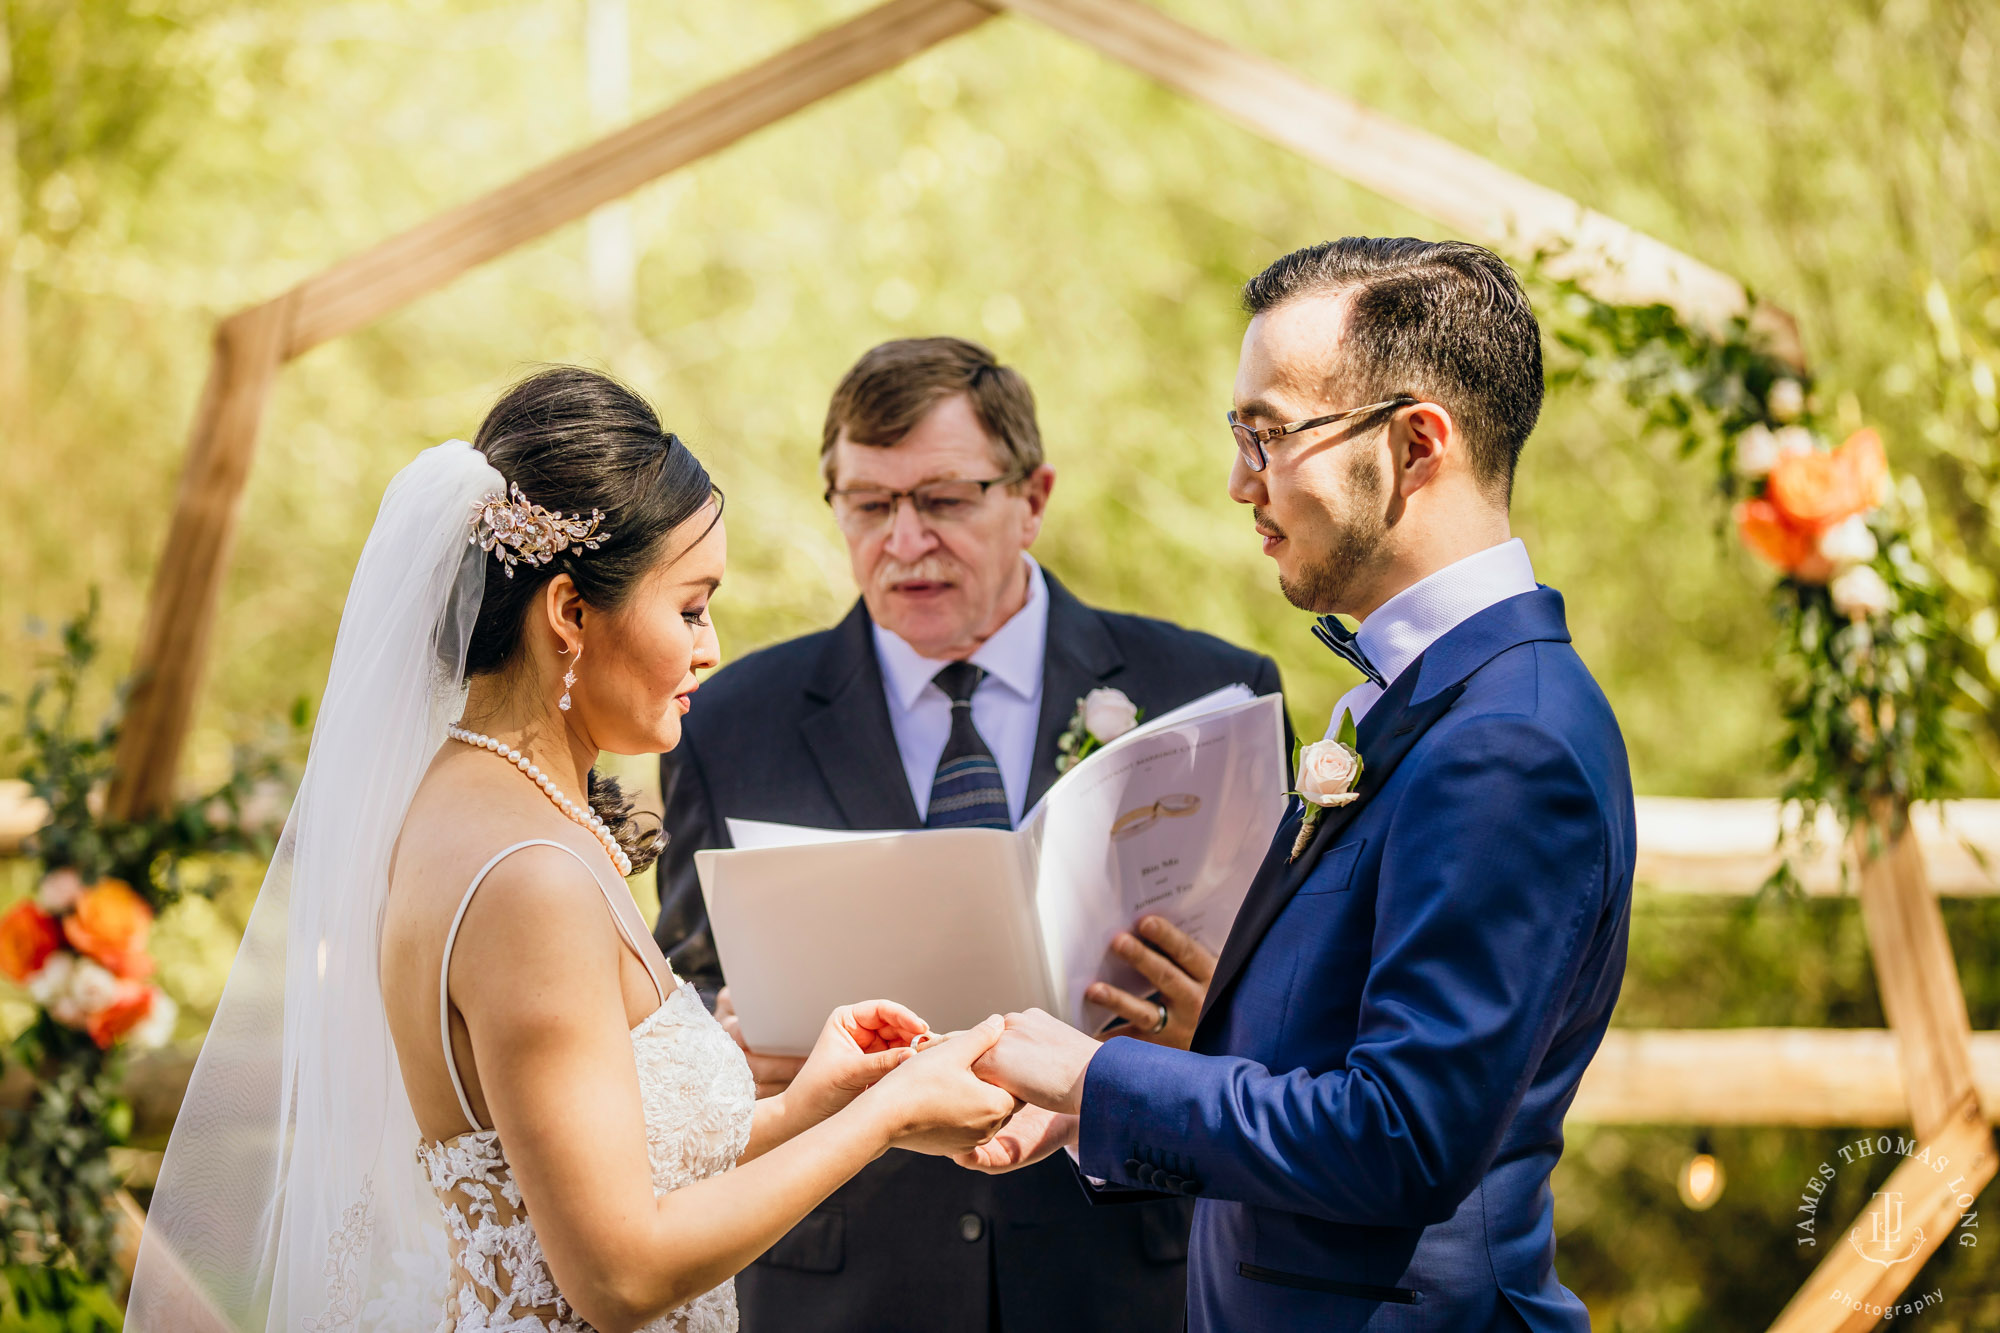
x: 1006, y: 708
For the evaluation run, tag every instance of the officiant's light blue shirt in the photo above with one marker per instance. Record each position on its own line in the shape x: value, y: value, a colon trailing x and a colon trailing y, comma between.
x: 1006, y: 708
x: 1421, y: 614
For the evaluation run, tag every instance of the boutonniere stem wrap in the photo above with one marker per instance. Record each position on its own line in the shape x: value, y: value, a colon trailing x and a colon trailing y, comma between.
x: 1329, y: 773
x: 1101, y: 716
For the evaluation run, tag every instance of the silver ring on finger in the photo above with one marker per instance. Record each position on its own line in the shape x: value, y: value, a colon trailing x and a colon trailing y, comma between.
x: 1161, y: 1025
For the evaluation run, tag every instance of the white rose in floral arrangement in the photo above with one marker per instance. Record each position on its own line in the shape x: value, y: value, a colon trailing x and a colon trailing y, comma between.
x: 1848, y: 542
x: 59, y: 891
x: 1786, y: 400
x: 1794, y: 440
x: 51, y: 981
x: 91, y: 988
x: 1328, y: 772
x: 1756, y: 453
x: 1861, y: 592
x: 157, y: 1027
x: 1108, y: 714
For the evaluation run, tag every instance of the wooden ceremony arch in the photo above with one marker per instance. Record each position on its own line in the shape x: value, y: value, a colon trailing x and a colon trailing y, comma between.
x: 1463, y: 191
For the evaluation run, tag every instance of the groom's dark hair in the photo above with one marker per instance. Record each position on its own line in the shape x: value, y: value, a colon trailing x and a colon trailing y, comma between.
x: 1442, y: 320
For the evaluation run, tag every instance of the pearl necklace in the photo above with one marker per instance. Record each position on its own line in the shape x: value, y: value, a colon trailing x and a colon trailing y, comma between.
x: 582, y: 814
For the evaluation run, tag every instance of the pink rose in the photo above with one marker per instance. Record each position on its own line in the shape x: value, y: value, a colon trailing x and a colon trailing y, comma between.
x: 1328, y: 773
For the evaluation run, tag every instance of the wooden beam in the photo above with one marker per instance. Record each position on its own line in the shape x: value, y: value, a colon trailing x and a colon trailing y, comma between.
x: 399, y: 270
x: 1916, y: 971
x: 1809, y: 1077
x: 1838, y: 1296
x: 1417, y: 169
x: 173, y: 647
x: 1730, y: 847
x: 180, y: 617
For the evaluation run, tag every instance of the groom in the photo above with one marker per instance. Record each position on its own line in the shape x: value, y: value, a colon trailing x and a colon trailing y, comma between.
x: 1419, y: 976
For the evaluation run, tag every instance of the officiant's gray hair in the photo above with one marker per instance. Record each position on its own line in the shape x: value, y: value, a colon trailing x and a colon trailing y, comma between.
x: 1442, y: 320
x: 895, y: 384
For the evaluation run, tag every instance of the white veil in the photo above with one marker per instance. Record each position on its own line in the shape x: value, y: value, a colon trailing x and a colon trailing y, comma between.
x: 290, y: 1197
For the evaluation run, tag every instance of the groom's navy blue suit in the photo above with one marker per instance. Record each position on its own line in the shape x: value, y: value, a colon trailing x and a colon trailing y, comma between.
x: 1400, y: 1017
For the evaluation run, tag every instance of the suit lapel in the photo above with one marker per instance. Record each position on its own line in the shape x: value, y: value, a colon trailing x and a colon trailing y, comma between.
x: 1423, y: 693
x: 849, y: 734
x: 1080, y: 656
x: 1393, y: 727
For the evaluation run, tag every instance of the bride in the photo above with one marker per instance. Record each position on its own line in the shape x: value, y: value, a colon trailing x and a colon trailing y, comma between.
x: 452, y: 1081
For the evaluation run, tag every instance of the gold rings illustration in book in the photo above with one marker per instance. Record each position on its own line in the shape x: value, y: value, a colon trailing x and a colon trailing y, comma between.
x: 1141, y: 818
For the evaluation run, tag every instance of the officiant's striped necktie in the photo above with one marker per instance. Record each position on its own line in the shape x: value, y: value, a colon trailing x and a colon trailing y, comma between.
x: 966, y: 793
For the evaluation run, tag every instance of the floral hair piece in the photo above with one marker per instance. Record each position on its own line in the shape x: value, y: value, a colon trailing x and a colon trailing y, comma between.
x: 521, y: 532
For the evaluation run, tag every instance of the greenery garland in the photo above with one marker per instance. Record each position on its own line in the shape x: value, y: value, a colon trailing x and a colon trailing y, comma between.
x: 79, y: 947
x: 1871, y: 673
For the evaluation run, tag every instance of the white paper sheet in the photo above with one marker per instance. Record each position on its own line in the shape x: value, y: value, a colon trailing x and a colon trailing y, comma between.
x: 1172, y: 818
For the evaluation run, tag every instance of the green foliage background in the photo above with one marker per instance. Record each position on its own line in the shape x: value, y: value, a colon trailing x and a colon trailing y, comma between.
x: 175, y: 159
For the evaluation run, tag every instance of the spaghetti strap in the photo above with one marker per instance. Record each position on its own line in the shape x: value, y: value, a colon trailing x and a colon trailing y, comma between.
x: 451, y: 938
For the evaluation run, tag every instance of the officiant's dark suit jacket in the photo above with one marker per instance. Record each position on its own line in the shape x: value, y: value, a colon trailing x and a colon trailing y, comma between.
x: 1400, y: 1018
x: 799, y: 733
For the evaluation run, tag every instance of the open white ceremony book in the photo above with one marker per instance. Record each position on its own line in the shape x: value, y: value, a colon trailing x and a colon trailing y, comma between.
x: 1172, y: 818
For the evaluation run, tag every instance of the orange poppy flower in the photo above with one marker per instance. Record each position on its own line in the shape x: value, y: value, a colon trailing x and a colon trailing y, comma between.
x: 28, y: 935
x: 1814, y: 491
x: 111, y: 923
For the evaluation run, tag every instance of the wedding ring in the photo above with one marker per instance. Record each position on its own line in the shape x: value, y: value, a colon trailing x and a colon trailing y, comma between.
x: 1160, y: 1026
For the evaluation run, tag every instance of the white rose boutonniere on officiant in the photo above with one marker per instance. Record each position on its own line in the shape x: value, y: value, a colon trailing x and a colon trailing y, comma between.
x: 1101, y: 716
x: 1329, y: 772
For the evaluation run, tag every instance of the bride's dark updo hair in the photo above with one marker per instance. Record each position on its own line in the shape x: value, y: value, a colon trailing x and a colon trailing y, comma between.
x: 575, y: 440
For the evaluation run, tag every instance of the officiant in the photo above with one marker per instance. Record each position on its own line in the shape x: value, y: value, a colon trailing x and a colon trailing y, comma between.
x: 941, y: 701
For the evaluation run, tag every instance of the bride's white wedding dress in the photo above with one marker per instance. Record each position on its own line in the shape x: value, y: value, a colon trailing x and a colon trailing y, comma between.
x: 698, y: 1097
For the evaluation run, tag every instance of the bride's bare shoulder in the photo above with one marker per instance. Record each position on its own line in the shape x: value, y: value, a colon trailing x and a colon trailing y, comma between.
x: 458, y: 823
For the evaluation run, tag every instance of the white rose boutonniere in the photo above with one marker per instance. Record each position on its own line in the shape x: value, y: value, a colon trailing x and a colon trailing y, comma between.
x: 1101, y: 716
x: 1329, y: 772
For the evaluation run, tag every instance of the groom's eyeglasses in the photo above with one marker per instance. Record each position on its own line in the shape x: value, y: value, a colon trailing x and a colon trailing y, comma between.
x: 1250, y: 443
x: 865, y: 509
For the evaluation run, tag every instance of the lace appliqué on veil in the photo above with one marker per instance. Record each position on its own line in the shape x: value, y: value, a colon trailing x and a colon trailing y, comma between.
x: 343, y: 1255
x: 698, y: 1098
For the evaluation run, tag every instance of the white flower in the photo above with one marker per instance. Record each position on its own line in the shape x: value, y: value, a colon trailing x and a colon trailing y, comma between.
x: 1786, y: 400
x: 1108, y: 714
x: 51, y: 981
x: 1756, y: 452
x: 1794, y: 440
x: 1848, y: 542
x: 91, y: 987
x: 1861, y: 592
x: 1328, y: 772
x: 59, y: 892
x: 157, y: 1027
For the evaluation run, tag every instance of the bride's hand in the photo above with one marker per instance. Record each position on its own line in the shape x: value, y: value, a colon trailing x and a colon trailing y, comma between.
x: 933, y: 1103
x: 1029, y: 1136
x: 859, y: 1044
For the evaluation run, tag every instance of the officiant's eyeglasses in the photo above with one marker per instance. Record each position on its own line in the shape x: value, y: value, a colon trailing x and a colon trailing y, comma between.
x: 863, y: 509
x: 1250, y: 443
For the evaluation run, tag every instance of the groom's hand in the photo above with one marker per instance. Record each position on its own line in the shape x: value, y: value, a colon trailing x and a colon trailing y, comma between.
x: 1179, y: 968
x: 1041, y: 1060
x: 1029, y: 1135
x: 774, y: 1073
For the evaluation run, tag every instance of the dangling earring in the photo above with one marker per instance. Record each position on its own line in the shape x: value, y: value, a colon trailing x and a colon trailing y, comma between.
x: 569, y: 679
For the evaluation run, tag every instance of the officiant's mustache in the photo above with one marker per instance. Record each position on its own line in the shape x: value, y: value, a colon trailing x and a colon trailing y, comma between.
x: 933, y: 568
x: 1264, y: 522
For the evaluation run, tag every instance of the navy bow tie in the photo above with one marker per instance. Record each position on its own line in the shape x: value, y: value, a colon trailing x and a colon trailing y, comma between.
x: 1340, y: 639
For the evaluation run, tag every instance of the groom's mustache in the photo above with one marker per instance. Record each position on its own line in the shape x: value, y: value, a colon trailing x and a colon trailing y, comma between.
x: 1265, y: 523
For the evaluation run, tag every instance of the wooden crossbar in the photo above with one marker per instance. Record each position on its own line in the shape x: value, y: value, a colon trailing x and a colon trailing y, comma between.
x: 1420, y: 170
x: 251, y: 346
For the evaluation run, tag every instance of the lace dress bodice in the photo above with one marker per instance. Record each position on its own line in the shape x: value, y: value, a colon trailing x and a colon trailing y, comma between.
x: 698, y: 1097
